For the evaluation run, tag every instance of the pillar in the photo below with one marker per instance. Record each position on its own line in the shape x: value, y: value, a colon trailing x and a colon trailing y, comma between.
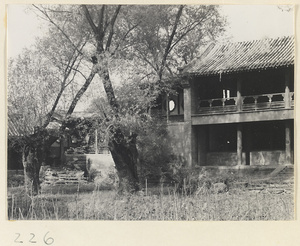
x: 202, y: 145
x: 190, y: 139
x: 62, y: 150
x: 187, y: 102
x: 239, y: 144
x: 287, y: 99
x: 247, y: 135
x: 239, y: 95
x: 96, y: 141
x: 288, y: 154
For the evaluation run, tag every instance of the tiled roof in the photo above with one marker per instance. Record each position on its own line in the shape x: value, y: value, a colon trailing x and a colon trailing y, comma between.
x: 243, y: 56
x: 16, y: 127
x: 59, y: 114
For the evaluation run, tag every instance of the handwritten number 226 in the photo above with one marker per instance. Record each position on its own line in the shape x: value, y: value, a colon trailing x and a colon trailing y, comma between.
x: 47, y: 240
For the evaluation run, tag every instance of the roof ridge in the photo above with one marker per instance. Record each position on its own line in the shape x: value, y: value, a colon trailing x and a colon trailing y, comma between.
x: 259, y: 40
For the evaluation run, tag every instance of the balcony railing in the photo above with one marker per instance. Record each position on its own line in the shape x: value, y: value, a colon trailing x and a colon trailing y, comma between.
x: 247, y: 103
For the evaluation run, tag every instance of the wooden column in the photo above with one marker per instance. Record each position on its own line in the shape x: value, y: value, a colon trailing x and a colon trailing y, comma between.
x: 62, y: 150
x: 248, y: 142
x: 288, y: 153
x: 239, y: 144
x: 202, y: 145
x: 187, y: 102
x: 194, y: 146
x: 96, y: 141
x: 167, y: 107
x: 287, y: 99
x: 239, y: 95
x: 190, y: 140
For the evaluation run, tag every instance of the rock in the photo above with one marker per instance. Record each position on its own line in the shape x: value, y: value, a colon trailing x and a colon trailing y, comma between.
x: 220, y: 187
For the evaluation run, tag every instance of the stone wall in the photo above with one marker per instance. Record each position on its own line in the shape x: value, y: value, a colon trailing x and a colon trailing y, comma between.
x: 263, y: 158
x: 98, y: 168
x: 223, y: 159
x: 101, y: 170
x: 180, y: 140
x: 257, y: 158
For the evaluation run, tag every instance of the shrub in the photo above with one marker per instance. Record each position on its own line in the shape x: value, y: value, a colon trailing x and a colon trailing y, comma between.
x: 15, y: 180
x: 155, y: 152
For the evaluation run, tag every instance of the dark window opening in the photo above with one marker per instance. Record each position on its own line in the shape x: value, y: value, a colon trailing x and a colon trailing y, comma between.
x: 264, y: 136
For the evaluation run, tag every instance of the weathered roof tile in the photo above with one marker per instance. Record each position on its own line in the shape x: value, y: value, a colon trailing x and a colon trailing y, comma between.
x: 244, y: 56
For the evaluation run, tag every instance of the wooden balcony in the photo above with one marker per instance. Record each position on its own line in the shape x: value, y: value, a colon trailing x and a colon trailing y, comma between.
x: 250, y: 103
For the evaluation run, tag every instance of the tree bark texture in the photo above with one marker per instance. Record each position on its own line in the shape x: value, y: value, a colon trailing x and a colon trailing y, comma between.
x: 34, y: 155
x: 82, y: 91
x: 123, y: 149
x: 32, y: 168
x: 125, y: 156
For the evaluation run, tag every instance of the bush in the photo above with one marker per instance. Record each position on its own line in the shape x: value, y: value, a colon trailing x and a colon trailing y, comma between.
x: 155, y: 152
x: 15, y: 180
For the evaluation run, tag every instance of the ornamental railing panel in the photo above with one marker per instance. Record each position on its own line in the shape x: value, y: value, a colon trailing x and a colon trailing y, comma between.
x: 248, y: 103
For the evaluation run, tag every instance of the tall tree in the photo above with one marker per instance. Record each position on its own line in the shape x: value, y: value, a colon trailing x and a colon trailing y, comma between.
x: 37, y: 80
x: 152, y: 39
x: 170, y: 36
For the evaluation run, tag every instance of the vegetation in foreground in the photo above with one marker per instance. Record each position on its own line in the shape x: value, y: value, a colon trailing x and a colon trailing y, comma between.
x: 87, y: 202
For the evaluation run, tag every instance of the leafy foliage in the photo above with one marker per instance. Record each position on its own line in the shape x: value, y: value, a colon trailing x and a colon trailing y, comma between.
x: 84, y: 41
x: 29, y: 96
x: 155, y: 152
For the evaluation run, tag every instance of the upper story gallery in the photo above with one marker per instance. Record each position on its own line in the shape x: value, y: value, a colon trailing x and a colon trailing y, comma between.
x: 235, y: 105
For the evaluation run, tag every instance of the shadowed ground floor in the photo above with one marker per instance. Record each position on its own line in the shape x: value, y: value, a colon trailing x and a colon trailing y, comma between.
x: 246, y: 143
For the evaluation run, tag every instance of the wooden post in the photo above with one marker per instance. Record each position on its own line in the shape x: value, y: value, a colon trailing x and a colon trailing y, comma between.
x: 248, y: 144
x: 202, y: 142
x: 287, y: 99
x: 239, y: 144
x: 187, y: 100
x: 190, y: 141
x: 239, y: 95
x: 96, y: 141
x: 62, y: 150
x: 146, y: 187
x: 167, y: 107
x: 287, y: 143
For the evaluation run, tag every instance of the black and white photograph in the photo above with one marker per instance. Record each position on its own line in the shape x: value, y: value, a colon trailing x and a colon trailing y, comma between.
x: 150, y: 113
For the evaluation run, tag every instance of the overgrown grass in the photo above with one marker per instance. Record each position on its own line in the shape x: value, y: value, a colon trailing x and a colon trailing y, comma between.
x: 86, y: 202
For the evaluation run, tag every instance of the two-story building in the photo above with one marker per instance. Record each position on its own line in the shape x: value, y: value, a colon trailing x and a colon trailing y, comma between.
x: 236, y: 105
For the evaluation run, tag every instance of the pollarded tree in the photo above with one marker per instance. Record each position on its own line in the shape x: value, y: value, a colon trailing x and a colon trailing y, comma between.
x: 135, y: 35
x: 103, y: 23
x: 37, y: 80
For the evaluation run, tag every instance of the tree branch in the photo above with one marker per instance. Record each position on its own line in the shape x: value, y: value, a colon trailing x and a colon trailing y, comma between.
x: 100, y: 23
x: 167, y: 50
x: 124, y: 37
x: 58, y: 27
x: 112, y: 23
x: 81, y: 91
x: 89, y: 19
x: 184, y: 34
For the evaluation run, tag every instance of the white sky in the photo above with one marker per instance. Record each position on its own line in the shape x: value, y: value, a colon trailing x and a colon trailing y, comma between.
x: 245, y: 22
x: 249, y: 22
